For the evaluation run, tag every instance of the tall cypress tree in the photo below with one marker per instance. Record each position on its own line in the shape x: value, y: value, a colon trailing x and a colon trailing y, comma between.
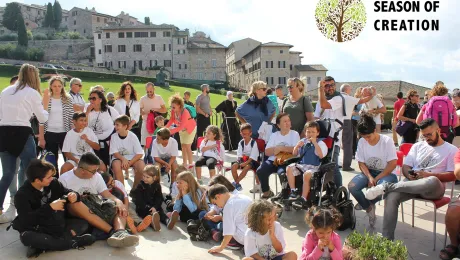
x: 49, y: 18
x: 57, y: 11
x: 22, y: 32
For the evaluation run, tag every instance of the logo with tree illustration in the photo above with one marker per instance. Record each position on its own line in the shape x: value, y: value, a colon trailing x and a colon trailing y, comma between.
x: 340, y: 20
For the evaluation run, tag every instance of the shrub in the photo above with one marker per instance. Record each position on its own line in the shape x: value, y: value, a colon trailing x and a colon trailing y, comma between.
x: 40, y: 36
x: 74, y: 35
x: 6, y: 49
x: 367, y: 246
x: 29, y: 35
x: 19, y: 53
x: 9, y: 37
x: 35, y: 54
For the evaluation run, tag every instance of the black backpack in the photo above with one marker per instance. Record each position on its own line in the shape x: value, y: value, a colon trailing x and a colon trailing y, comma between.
x: 198, y: 230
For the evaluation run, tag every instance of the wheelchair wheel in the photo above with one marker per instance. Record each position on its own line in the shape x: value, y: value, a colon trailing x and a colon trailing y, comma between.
x: 279, y: 210
x: 340, y: 195
x: 353, y: 224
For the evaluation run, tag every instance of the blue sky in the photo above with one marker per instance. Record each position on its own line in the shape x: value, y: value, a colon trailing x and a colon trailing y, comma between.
x: 417, y: 57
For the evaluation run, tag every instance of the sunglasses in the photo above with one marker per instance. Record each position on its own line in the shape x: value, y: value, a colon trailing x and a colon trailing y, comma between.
x: 329, y: 85
x: 264, y: 89
x: 289, y: 87
x: 92, y: 98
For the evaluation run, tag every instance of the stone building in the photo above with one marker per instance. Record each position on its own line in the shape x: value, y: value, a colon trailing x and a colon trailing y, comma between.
x: 312, y: 74
x: 234, y: 53
x: 127, y: 19
x: 86, y: 21
x: 34, y: 15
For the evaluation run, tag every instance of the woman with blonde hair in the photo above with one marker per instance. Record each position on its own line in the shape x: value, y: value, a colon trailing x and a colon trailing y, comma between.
x: 182, y: 122
x: 257, y: 109
x: 60, y: 109
x: 297, y: 105
x: 355, y: 119
x: 18, y: 103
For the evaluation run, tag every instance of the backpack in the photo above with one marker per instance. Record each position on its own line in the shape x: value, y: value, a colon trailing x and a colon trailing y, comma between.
x: 106, y: 209
x: 191, y: 110
x: 198, y: 230
x: 442, y: 110
x: 252, y: 144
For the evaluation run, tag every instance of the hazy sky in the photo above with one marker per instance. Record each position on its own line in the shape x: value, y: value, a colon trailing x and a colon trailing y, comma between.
x: 417, y: 57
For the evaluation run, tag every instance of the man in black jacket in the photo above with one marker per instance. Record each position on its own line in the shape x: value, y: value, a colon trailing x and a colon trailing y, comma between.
x: 41, y: 204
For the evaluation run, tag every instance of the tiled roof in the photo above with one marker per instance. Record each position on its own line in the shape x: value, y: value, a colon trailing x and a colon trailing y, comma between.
x: 203, y: 42
x: 276, y: 44
x: 142, y: 26
x: 317, y: 67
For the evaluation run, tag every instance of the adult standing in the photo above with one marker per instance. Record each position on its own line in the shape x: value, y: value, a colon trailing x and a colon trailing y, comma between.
x: 297, y: 106
x: 127, y: 104
x: 354, y: 120
x: 279, y: 95
x: 17, y: 105
x: 332, y: 106
x: 408, y: 114
x: 203, y: 110
x: 257, y: 109
x: 60, y: 109
x: 101, y: 118
x: 77, y: 99
x: 427, y: 97
x: 396, y: 107
x: 150, y: 103
x: 347, y: 136
x: 229, y: 125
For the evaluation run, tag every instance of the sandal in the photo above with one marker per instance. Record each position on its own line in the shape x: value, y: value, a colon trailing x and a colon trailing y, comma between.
x: 448, y: 253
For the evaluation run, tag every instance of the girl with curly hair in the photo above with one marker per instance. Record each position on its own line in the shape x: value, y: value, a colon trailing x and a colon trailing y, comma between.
x: 213, y: 151
x: 322, y: 242
x: 264, y: 238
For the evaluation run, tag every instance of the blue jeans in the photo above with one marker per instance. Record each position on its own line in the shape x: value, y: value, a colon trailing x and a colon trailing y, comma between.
x: 265, y: 170
x: 213, y: 225
x: 337, y: 173
x: 359, y: 182
x: 9, y: 163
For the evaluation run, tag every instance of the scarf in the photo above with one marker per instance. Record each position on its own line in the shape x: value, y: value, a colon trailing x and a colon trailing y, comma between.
x: 262, y: 102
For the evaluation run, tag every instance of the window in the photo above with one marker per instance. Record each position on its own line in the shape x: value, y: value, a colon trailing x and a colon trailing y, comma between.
x: 279, y: 64
x: 266, y: 80
x: 272, y: 80
x: 137, y: 48
x: 164, y: 47
x: 122, y: 64
x: 84, y: 30
x: 98, y: 19
x: 282, y: 80
x: 178, y: 51
x: 271, y: 65
x: 167, y: 63
x: 129, y: 35
x: 74, y: 22
x: 153, y: 34
x: 214, y: 63
x: 290, y: 67
x: 141, y: 35
x: 121, y: 48
x: 99, y: 36
x: 183, y: 51
x: 214, y: 76
x: 140, y: 64
x: 100, y: 51
x: 105, y: 20
x: 100, y: 64
x: 107, y: 35
x: 108, y: 64
x: 166, y: 34
x: 185, y: 66
x: 169, y: 47
x: 318, y: 79
x: 281, y: 51
x: 183, y: 40
x: 266, y: 64
x: 308, y: 80
x: 107, y: 48
x: 121, y: 35
x: 199, y: 76
x: 178, y: 41
x: 153, y: 63
x: 180, y: 66
x: 284, y: 64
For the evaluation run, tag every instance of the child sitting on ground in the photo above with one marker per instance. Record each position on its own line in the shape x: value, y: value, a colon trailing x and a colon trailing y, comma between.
x: 234, y: 211
x: 79, y: 140
x: 248, y: 155
x: 148, y: 199
x: 264, y: 238
x: 160, y: 123
x: 312, y: 151
x: 213, y: 217
x: 212, y: 150
x: 321, y: 241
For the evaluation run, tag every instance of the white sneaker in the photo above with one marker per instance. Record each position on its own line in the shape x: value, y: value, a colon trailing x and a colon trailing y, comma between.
x: 374, y: 192
x: 256, y: 189
x: 6, y: 217
x: 372, y: 216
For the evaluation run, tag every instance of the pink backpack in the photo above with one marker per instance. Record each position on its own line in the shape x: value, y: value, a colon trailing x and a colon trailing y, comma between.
x: 442, y: 110
x: 150, y: 123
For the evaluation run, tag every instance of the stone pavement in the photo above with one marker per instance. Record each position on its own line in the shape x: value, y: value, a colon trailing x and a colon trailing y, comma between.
x: 175, y: 244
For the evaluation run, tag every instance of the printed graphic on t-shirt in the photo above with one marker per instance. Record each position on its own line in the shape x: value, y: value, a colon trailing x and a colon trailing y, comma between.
x: 283, y: 144
x: 96, y: 127
x: 375, y: 163
x: 267, y: 251
x: 83, y: 146
x: 46, y: 198
x: 84, y: 189
x: 428, y: 162
x: 123, y: 151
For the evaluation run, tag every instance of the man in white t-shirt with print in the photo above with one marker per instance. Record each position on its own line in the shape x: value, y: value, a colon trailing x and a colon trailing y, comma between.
x: 150, y: 103
x: 126, y: 151
x: 86, y: 179
x: 165, y: 151
x: 234, y: 221
x: 427, y: 167
x: 333, y: 105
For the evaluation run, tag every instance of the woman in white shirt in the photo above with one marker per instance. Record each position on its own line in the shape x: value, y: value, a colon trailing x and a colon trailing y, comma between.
x: 101, y: 118
x: 127, y: 104
x: 282, y: 141
x: 377, y: 159
x: 17, y: 105
x: 60, y: 108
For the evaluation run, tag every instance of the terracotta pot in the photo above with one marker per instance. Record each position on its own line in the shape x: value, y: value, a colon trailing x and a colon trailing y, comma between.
x: 348, y: 252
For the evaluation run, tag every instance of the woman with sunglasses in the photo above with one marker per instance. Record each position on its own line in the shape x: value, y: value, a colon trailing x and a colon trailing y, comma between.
x: 257, y: 109
x: 60, y: 108
x: 101, y: 118
x: 297, y: 106
x: 127, y: 104
x: 408, y: 114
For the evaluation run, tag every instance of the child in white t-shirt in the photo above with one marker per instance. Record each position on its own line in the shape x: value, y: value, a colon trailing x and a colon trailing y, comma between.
x: 212, y: 150
x: 248, y: 155
x: 264, y: 238
x: 126, y: 151
x: 78, y: 141
x: 165, y: 151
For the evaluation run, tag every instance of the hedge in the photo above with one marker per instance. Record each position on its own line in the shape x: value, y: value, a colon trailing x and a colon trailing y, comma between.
x: 10, y: 51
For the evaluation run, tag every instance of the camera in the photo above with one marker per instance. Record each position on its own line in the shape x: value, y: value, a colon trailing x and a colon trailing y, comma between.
x: 66, y: 198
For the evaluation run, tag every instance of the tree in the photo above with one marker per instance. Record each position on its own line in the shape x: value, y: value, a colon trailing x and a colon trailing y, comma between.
x: 49, y: 17
x: 22, y: 32
x: 11, y: 15
x: 147, y: 20
x: 57, y: 11
x: 340, y: 20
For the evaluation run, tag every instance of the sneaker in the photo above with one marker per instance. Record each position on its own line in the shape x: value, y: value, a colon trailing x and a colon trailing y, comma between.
x: 239, y: 187
x: 122, y: 238
x: 131, y: 225
x: 235, y: 184
x: 6, y: 217
x: 34, y: 252
x: 256, y: 189
x: 216, y: 235
x: 144, y: 224
x: 372, y: 216
x: 233, y: 245
x: 173, y: 219
x: 358, y: 207
x: 294, y: 194
x: 374, y: 192
x: 270, y: 194
x: 348, y: 169
x: 83, y: 240
x: 155, y: 220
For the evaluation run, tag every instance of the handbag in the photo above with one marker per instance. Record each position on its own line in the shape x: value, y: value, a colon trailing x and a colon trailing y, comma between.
x: 403, y: 126
x: 281, y: 158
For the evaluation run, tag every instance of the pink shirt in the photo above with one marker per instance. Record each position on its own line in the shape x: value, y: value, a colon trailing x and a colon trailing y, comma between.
x: 184, y: 122
x: 311, y: 251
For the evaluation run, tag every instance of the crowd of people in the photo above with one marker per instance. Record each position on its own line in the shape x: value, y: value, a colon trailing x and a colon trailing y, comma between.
x: 72, y: 205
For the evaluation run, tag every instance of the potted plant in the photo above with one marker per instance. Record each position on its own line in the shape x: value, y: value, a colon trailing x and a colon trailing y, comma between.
x: 373, y: 247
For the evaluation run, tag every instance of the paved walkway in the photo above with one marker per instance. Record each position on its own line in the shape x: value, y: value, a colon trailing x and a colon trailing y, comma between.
x: 175, y: 244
